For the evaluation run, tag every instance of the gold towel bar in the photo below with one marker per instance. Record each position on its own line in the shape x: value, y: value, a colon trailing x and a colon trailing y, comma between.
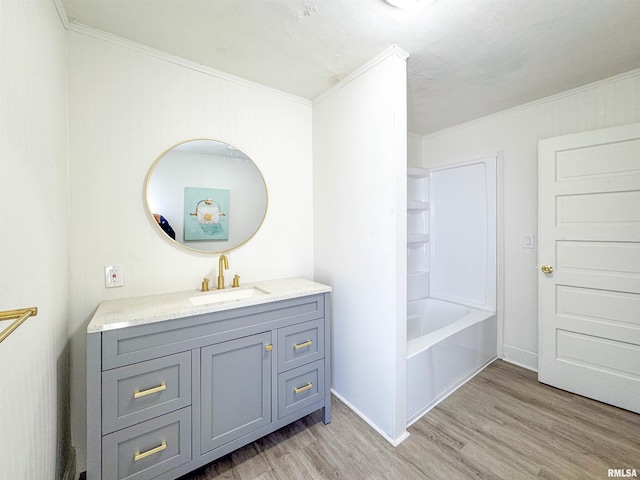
x: 20, y: 316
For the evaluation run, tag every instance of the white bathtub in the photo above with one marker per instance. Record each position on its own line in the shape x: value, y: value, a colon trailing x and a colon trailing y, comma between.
x: 447, y: 345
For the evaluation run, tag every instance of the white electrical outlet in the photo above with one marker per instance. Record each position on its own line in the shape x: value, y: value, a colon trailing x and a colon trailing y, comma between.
x: 113, y: 276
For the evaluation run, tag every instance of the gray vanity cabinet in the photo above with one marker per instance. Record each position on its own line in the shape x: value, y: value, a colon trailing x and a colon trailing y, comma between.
x: 167, y: 397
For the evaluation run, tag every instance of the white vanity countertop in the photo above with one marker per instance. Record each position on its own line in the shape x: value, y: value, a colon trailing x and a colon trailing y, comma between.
x: 128, y: 312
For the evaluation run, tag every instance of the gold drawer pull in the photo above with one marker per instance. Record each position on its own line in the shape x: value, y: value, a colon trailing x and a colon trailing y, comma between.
x: 159, y: 448
x: 268, y: 348
x: 144, y: 393
x: 298, y: 346
x: 303, y: 389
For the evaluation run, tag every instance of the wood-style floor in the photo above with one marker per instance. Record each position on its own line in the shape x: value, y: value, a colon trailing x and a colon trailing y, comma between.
x: 502, y: 424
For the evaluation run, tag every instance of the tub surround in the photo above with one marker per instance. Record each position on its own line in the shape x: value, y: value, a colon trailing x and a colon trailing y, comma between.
x: 451, y: 310
x: 439, y: 361
x: 128, y: 312
x: 429, y: 321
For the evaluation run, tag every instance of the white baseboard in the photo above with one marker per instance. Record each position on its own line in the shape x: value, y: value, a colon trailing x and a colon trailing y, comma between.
x: 520, y: 357
x: 393, y: 441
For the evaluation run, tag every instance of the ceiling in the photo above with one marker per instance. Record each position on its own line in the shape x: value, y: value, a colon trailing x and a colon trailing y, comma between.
x: 468, y: 58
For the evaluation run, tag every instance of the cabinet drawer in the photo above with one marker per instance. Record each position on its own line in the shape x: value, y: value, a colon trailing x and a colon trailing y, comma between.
x: 148, y: 449
x: 300, y: 387
x: 142, y: 391
x: 300, y: 344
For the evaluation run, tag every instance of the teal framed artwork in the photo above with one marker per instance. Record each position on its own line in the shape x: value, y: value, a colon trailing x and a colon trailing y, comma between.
x: 206, y: 214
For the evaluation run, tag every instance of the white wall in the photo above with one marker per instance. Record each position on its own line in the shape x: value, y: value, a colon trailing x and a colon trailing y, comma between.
x: 359, y: 172
x: 127, y: 106
x: 414, y: 150
x: 516, y: 132
x: 34, y: 410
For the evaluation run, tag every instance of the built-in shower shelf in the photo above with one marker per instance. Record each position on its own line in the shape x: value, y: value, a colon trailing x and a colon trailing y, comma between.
x: 416, y: 172
x: 417, y: 274
x: 417, y: 285
x: 417, y: 238
x: 417, y: 205
x: 417, y: 233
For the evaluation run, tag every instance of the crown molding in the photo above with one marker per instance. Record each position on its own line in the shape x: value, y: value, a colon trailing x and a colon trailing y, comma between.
x: 62, y: 13
x: 390, y: 51
x: 74, y: 26
x: 77, y: 27
x: 535, y: 103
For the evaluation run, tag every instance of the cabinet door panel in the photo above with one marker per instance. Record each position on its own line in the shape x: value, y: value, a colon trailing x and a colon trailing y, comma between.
x: 236, y: 389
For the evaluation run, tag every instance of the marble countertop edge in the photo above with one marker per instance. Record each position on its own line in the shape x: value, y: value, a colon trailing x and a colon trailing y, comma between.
x: 133, y: 311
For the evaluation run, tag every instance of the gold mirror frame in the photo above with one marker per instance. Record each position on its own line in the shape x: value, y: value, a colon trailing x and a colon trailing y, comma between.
x: 235, y: 156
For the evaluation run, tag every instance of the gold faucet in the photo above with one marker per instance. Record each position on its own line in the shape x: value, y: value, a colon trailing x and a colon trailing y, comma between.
x: 205, y: 285
x: 224, y: 262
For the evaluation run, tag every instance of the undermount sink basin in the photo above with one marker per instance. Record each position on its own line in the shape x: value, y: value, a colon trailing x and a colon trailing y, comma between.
x: 227, y: 296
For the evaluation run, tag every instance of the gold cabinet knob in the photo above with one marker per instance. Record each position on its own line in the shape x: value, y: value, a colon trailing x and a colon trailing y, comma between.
x: 547, y: 268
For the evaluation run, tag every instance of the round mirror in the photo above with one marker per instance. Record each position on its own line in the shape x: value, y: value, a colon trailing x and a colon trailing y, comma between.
x: 206, y: 195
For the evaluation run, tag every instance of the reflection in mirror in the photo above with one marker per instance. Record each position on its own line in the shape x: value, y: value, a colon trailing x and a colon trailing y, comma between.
x: 206, y: 195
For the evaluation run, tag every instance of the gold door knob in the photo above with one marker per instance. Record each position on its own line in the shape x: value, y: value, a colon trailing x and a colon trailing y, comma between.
x: 547, y: 269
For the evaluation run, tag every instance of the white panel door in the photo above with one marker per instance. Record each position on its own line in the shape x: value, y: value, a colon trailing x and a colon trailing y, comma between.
x: 589, y: 259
